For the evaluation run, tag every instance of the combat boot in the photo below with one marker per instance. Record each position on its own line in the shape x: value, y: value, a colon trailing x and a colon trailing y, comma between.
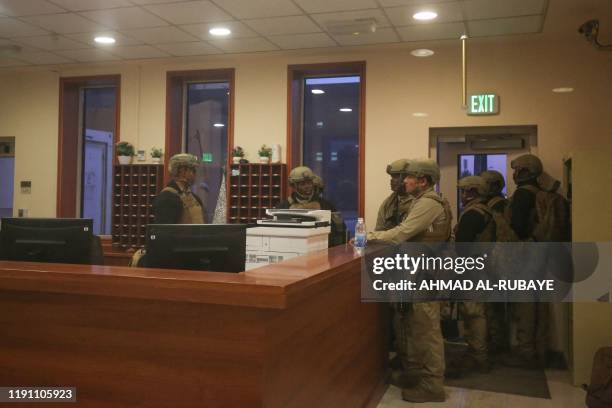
x: 424, y: 391
x: 405, y: 379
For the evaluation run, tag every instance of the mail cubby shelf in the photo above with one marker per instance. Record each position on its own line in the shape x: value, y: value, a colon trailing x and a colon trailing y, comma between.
x: 252, y: 188
x: 134, y: 188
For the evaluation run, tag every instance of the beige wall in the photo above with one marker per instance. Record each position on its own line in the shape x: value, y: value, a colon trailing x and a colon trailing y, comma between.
x: 522, y: 70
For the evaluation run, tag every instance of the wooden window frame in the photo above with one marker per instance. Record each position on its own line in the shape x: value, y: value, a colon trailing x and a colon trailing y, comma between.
x: 69, y: 133
x: 175, y: 100
x: 295, y: 76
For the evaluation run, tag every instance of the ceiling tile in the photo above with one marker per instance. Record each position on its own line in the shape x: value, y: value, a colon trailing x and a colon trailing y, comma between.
x: 326, y: 6
x: 283, y: 25
x: 12, y: 49
x: 504, y: 26
x: 260, y: 8
x: 44, y: 58
x: 88, y: 55
x: 82, y: 5
x: 125, y: 18
x: 314, y: 40
x: 10, y: 27
x: 243, y: 44
x: 17, y: 8
x: 486, y: 9
x: 447, y: 12
x: 395, y: 3
x: 426, y: 32
x: 190, y: 12
x: 382, y: 35
x: 138, y: 52
x: 142, y: 2
x: 188, y: 48
x: 348, y: 16
x: 160, y: 35
x: 239, y: 30
x: 64, y: 23
x: 88, y: 38
x: 11, y: 62
x: 52, y: 42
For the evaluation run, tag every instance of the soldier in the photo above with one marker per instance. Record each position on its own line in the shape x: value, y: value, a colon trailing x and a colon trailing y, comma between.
x: 470, y: 228
x: 395, y: 207
x: 307, y: 190
x: 495, y: 185
x: 531, y: 318
x: 176, y: 204
x: 429, y: 220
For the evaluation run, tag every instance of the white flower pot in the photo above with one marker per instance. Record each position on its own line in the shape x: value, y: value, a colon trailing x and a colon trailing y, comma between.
x: 264, y: 159
x: 156, y: 160
x: 236, y: 159
x: 124, y: 159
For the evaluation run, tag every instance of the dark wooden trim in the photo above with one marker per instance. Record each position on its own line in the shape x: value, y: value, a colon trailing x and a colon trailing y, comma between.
x: 68, y: 134
x: 295, y: 74
x: 175, y: 81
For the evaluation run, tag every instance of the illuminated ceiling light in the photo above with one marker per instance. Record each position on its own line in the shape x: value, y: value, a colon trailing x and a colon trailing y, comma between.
x: 317, y: 91
x: 346, y: 110
x: 425, y: 15
x: 564, y: 89
x: 422, y: 52
x: 219, y: 125
x: 420, y: 114
x: 220, y: 31
x: 104, y: 39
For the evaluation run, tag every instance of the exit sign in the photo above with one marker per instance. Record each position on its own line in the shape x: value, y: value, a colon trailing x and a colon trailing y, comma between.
x: 483, y: 104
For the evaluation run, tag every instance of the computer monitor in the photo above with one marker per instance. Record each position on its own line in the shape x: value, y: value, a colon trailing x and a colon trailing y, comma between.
x: 199, y: 247
x: 56, y: 240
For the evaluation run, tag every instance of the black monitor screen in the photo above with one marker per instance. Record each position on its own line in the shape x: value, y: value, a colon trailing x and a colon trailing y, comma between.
x: 201, y: 247
x: 57, y: 240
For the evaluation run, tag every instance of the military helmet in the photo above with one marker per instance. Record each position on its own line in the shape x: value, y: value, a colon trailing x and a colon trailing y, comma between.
x: 397, y: 167
x: 477, y: 183
x: 318, y: 182
x: 182, y: 160
x: 495, y: 181
x: 423, y: 168
x: 528, y: 162
x: 301, y: 173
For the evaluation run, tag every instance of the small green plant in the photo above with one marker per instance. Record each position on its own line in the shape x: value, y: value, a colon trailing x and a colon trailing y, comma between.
x: 157, y: 153
x: 125, y: 149
x: 237, y: 152
x: 265, y: 151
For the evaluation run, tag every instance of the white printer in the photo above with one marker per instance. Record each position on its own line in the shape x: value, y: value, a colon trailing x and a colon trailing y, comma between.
x: 289, y: 233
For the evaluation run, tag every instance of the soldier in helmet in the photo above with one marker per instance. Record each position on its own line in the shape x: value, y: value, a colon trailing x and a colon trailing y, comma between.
x: 395, y: 207
x: 307, y: 189
x: 531, y: 318
x: 176, y: 204
x: 495, y: 185
x: 429, y: 220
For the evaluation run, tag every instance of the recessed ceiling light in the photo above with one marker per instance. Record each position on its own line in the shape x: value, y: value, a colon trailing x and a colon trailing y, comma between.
x: 425, y: 15
x: 317, y: 91
x: 420, y: 114
x: 422, y: 52
x: 104, y: 39
x: 220, y: 31
x: 219, y: 125
x: 564, y: 89
x: 346, y: 110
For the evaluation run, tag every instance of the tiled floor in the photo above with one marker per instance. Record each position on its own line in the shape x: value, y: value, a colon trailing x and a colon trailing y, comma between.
x: 563, y: 395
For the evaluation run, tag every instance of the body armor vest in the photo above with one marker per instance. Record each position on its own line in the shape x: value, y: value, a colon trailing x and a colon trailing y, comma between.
x: 440, y: 229
x: 192, y: 210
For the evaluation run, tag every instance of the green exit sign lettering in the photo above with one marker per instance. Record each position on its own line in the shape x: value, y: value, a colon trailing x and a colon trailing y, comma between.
x: 207, y: 157
x: 483, y: 104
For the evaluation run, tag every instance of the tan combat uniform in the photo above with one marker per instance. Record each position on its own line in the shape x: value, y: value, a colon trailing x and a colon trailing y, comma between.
x: 393, y: 210
x: 429, y: 220
x: 192, y: 210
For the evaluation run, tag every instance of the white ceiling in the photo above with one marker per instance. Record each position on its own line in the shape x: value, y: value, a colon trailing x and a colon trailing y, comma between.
x: 42, y: 32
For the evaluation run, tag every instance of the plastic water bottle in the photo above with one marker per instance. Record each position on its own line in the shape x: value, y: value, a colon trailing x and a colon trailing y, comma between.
x: 360, y: 234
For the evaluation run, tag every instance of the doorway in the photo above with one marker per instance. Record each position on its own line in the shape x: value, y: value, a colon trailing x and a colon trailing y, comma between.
x: 7, y: 175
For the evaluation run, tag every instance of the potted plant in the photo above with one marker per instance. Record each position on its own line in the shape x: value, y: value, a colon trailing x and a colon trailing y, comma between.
x: 156, y: 155
x: 125, y: 152
x: 265, y: 153
x: 237, y: 154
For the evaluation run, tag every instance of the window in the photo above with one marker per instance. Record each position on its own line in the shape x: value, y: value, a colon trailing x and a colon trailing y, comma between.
x: 199, y: 121
x: 326, y: 130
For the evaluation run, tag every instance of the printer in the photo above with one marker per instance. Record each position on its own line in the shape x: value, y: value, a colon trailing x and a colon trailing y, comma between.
x: 287, y: 234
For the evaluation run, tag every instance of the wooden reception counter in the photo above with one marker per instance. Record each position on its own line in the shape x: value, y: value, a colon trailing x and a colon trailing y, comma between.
x: 293, y: 334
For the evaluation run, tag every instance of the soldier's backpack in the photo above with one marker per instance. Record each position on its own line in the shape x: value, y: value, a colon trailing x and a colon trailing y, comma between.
x: 599, y: 391
x: 553, y: 218
x: 497, y: 228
